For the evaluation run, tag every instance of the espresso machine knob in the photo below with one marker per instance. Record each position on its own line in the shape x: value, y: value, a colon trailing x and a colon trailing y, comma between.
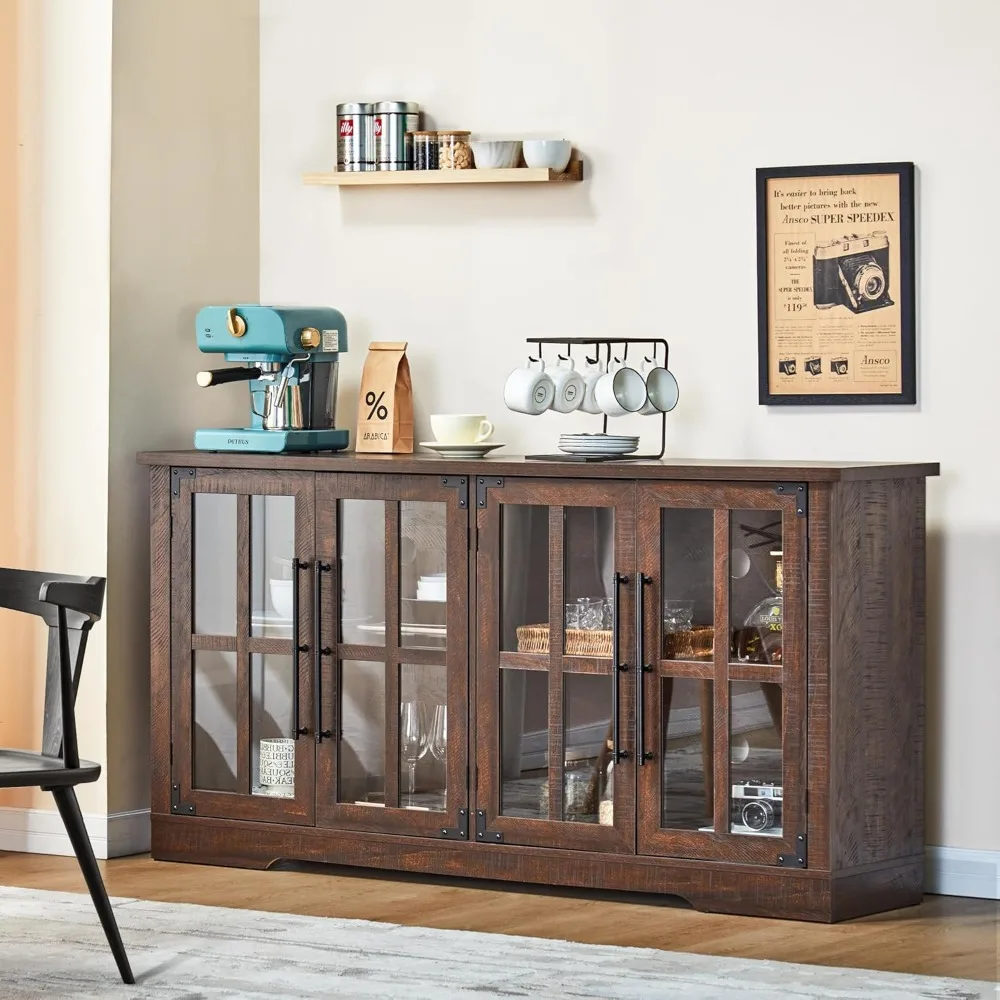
x: 310, y: 338
x: 236, y: 323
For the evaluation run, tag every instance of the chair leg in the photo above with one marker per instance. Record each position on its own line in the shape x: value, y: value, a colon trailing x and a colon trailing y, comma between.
x: 72, y: 818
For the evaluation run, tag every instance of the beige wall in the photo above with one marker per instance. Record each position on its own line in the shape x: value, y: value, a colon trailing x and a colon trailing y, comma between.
x: 674, y: 106
x: 184, y: 233
x: 57, y: 426
x: 17, y: 635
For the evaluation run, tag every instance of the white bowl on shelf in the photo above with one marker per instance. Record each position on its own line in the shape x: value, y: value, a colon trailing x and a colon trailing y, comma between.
x: 281, y: 596
x: 496, y: 154
x: 551, y: 153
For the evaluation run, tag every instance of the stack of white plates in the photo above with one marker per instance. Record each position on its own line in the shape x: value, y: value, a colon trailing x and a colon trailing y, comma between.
x: 598, y: 445
x: 432, y: 587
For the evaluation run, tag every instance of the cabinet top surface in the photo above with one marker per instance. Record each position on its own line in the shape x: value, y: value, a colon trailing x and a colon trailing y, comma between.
x: 516, y: 465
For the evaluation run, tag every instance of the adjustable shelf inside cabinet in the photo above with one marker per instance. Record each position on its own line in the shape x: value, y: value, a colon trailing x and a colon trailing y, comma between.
x: 606, y: 343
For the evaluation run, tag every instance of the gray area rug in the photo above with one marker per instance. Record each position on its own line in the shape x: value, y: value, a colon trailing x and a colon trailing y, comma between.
x: 51, y: 945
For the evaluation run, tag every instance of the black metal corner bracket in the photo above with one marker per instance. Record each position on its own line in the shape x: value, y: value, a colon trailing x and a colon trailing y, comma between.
x: 484, y: 483
x: 801, y: 493
x: 484, y: 836
x: 799, y: 859
x: 176, y: 474
x: 176, y: 806
x: 461, y: 484
x: 460, y: 832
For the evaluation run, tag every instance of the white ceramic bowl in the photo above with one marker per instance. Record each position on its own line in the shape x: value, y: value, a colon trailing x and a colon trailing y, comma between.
x: 496, y: 154
x: 281, y: 596
x: 551, y: 153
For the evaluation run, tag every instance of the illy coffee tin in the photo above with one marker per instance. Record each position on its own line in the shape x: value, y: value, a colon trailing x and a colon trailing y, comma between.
x: 355, y: 137
x: 394, y: 123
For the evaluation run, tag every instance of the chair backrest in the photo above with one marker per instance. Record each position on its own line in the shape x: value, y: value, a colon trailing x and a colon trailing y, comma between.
x: 69, y: 605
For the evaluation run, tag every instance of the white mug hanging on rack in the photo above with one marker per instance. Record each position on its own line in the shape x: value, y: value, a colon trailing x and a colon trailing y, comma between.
x: 528, y: 389
x: 621, y: 391
x: 661, y: 389
x: 591, y: 375
x: 569, y: 388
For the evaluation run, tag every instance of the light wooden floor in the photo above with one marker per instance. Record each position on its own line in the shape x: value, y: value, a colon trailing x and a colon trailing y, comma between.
x: 945, y: 936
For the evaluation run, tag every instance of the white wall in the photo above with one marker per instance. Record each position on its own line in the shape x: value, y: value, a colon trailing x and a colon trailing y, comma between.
x: 674, y: 105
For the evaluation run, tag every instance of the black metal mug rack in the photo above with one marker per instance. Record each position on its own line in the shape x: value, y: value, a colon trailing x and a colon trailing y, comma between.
x: 607, y: 343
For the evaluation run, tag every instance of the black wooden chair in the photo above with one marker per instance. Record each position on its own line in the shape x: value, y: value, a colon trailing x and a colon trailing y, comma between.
x: 69, y: 605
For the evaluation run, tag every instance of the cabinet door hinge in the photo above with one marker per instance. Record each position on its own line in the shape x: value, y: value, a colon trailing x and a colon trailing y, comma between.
x: 801, y: 493
x: 484, y: 483
x: 797, y: 860
x: 176, y: 805
x: 460, y: 832
x: 484, y: 836
x: 461, y: 484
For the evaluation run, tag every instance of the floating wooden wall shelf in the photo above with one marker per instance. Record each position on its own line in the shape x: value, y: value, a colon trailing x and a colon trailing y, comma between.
x: 388, y: 178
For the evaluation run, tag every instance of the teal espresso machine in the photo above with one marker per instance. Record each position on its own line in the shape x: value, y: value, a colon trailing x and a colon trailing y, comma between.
x: 289, y: 357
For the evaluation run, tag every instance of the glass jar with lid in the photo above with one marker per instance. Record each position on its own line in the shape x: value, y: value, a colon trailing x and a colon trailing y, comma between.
x: 425, y: 150
x: 454, y: 151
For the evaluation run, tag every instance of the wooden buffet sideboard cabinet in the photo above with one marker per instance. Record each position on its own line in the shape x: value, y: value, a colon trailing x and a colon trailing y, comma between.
x: 701, y: 679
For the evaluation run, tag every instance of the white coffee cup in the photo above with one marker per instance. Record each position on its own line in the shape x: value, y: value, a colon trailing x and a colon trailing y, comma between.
x: 568, y: 385
x: 621, y: 391
x: 661, y: 390
x: 529, y: 389
x: 460, y: 428
x: 591, y: 375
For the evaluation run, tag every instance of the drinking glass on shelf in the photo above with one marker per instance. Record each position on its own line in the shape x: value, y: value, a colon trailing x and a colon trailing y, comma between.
x: 572, y: 615
x: 437, y: 743
x: 412, y: 740
x: 591, y: 612
x: 438, y: 740
x: 678, y: 616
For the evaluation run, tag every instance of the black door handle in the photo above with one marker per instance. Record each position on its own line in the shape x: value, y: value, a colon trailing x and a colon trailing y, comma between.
x: 641, y: 669
x: 319, y: 650
x: 617, y: 668
x: 297, y: 728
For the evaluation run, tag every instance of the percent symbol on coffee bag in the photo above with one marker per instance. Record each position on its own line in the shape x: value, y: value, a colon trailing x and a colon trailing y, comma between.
x: 378, y: 408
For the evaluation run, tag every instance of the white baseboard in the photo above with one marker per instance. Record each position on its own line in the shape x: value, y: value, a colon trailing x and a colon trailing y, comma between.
x: 41, y: 831
x: 954, y: 871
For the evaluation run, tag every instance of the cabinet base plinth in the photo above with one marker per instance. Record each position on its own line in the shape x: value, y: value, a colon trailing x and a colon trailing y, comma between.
x: 713, y: 887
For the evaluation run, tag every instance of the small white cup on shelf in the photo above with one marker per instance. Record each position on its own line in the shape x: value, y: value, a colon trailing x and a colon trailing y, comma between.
x: 551, y: 153
x: 528, y: 389
x: 568, y: 385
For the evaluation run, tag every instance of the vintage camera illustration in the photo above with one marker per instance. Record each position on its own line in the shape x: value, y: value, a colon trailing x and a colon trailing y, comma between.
x: 757, y: 805
x: 838, y: 366
x: 814, y: 366
x: 786, y: 366
x: 852, y: 271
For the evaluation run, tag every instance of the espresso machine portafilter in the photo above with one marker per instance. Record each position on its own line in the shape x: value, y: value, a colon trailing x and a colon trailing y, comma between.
x: 289, y: 357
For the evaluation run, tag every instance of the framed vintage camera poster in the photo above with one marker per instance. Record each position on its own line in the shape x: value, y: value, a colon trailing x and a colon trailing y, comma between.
x: 835, y: 284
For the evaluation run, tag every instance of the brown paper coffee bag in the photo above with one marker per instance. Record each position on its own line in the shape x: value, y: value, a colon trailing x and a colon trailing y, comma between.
x: 385, y: 406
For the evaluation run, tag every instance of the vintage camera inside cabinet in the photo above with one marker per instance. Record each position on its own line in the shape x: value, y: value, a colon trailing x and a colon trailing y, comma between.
x: 701, y: 680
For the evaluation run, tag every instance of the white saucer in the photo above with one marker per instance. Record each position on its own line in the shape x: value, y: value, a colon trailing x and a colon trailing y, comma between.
x: 461, y: 450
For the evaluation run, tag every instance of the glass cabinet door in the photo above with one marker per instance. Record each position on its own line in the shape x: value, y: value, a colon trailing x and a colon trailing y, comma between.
x: 393, y: 612
x: 556, y: 630
x: 240, y: 608
x: 722, y: 710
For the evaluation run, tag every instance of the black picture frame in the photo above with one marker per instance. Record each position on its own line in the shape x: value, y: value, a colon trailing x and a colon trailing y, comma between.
x: 906, y: 288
